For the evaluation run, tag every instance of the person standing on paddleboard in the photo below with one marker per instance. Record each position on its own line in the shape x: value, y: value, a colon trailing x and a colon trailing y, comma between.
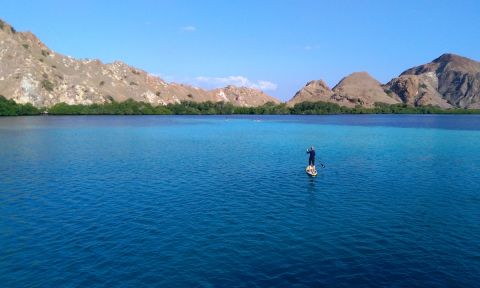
x: 311, y: 158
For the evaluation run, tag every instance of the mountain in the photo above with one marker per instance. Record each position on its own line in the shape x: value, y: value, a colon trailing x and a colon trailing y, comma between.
x: 417, y: 90
x: 360, y: 89
x: 30, y: 72
x: 314, y: 91
x: 450, y: 81
x: 357, y: 89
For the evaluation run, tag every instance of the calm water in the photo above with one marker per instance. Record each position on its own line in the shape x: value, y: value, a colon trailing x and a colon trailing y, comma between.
x: 225, y: 202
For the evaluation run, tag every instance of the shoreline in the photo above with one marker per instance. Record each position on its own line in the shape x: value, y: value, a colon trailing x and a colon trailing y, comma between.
x: 237, y: 114
x: 240, y: 115
x: 9, y: 107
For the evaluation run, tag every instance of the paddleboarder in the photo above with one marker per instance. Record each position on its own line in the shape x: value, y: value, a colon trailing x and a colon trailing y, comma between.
x: 311, y: 159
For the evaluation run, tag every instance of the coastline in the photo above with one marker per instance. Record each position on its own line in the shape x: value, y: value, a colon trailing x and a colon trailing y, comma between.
x: 131, y: 107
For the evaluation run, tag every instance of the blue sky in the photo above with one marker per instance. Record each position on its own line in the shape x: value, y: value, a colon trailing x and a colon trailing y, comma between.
x: 274, y: 45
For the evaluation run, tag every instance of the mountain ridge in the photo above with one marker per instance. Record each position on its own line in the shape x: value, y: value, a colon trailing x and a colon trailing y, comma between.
x: 448, y: 81
x: 33, y: 73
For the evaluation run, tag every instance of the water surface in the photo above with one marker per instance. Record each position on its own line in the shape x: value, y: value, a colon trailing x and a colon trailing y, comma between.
x: 218, y: 201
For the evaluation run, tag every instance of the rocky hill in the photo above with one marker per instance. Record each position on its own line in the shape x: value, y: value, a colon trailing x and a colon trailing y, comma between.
x: 448, y: 81
x: 416, y: 90
x: 314, y: 91
x: 357, y: 89
x: 30, y: 72
x: 360, y: 89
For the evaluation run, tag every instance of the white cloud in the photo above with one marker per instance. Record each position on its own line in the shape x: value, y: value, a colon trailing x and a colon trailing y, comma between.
x: 219, y: 82
x: 267, y: 85
x: 310, y: 47
x: 189, y: 28
x: 240, y: 81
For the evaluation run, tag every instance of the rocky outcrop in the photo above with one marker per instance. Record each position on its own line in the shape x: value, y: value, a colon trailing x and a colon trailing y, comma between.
x: 314, y: 91
x: 361, y: 89
x: 447, y: 82
x: 456, y: 79
x: 32, y: 73
x: 417, y: 90
x: 357, y: 89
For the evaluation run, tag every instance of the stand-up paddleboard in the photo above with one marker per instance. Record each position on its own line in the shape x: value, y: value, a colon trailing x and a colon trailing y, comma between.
x: 311, y: 172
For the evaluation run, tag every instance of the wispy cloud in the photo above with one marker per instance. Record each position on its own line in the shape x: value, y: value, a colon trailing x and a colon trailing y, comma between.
x: 310, y: 47
x: 219, y: 82
x: 240, y: 81
x: 189, y: 28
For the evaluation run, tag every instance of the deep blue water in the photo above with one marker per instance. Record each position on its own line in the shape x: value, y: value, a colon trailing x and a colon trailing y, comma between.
x: 220, y: 201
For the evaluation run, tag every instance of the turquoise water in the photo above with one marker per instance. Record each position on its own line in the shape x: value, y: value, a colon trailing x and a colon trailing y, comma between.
x: 219, y: 201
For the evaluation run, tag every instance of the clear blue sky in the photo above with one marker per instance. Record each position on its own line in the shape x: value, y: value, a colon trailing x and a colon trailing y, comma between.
x: 283, y: 43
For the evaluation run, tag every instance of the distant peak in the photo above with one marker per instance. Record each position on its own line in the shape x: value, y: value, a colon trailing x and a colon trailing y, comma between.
x: 450, y: 57
x: 355, y: 78
x: 317, y: 83
x: 358, y: 75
